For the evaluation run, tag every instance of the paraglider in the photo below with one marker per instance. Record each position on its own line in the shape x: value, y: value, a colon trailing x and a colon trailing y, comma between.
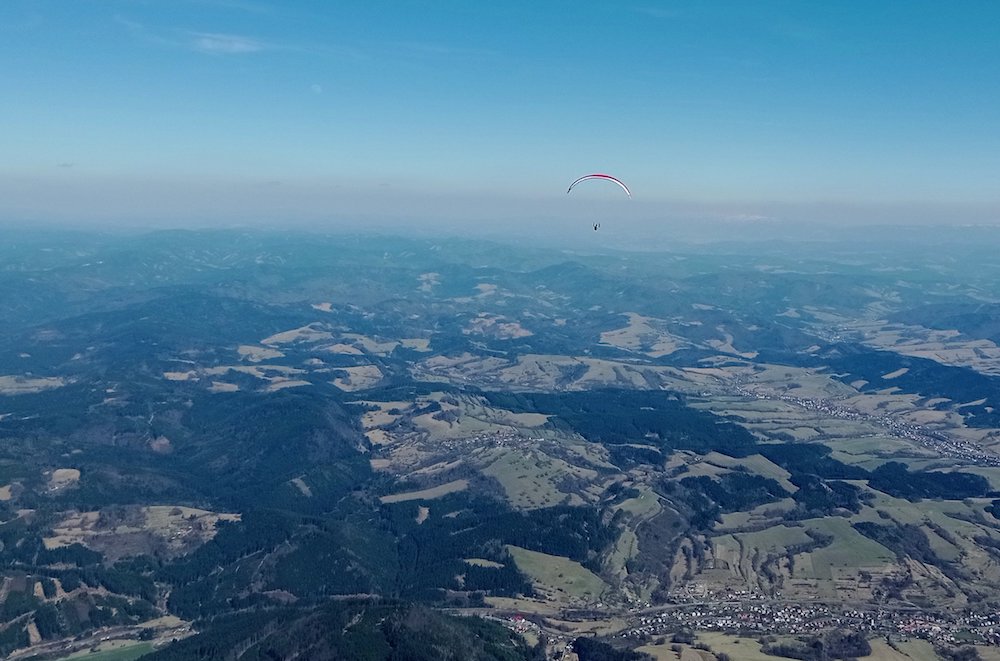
x: 607, y: 177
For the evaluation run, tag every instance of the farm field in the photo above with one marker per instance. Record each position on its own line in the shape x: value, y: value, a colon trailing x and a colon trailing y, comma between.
x: 850, y: 549
x: 744, y: 649
x: 559, y: 578
x: 427, y: 494
x: 114, y: 652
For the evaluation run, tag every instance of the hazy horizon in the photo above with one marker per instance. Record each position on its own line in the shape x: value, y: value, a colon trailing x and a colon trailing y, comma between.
x: 763, y: 238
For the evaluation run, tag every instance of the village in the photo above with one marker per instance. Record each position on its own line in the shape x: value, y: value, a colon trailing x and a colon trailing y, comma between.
x: 944, y: 443
x: 743, y: 614
x: 756, y: 618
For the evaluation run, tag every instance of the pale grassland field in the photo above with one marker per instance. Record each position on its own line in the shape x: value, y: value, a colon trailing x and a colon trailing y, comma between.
x: 741, y: 649
x: 741, y: 552
x: 561, y: 578
x: 757, y: 464
x: 646, y: 504
x: 849, y: 548
x: 529, y: 479
x: 427, y: 494
x: 769, y: 512
x: 988, y: 653
x: 114, y: 651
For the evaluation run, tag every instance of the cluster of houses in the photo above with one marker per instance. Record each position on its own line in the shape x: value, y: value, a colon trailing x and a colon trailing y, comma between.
x: 756, y: 617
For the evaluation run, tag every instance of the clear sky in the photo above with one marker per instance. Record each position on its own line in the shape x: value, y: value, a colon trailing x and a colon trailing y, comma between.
x: 207, y: 111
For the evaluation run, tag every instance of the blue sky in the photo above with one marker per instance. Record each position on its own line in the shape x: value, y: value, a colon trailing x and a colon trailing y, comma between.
x: 209, y: 111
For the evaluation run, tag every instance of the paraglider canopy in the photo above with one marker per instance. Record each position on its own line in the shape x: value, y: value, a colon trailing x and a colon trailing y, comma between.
x: 601, y: 176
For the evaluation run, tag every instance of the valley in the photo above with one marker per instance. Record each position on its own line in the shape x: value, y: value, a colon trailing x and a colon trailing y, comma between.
x: 633, y: 445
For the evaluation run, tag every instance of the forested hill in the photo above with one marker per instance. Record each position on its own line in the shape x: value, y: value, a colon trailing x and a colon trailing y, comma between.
x: 349, y: 631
